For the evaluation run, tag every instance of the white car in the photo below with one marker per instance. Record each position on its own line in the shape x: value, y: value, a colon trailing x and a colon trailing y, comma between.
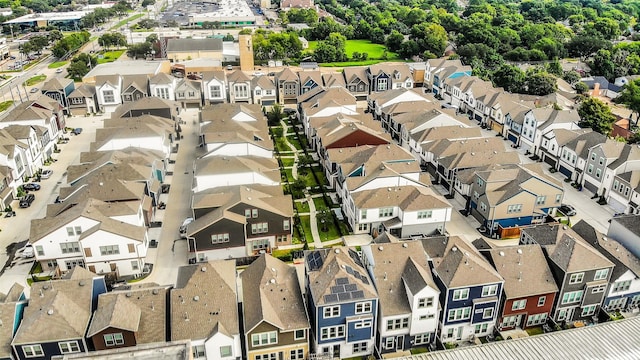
x: 59, y: 71
x: 183, y: 227
x: 46, y: 174
x: 27, y: 252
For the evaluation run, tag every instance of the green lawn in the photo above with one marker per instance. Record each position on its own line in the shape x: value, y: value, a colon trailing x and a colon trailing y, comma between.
x: 125, y: 21
x: 294, y: 141
x: 302, y: 207
x: 309, y: 180
x: 5, y: 105
x: 375, y: 51
x: 287, y: 162
x: 34, y: 80
x: 110, y: 56
x: 320, y: 204
x: 305, y: 221
x: 57, y: 64
x: 535, y: 331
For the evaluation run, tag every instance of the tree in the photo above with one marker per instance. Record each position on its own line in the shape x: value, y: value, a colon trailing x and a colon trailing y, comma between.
x: 332, y: 49
x: 509, y: 77
x: 596, y: 115
x: 555, y: 68
x: 430, y: 37
x: 228, y: 37
x: 274, y: 115
x: 571, y: 77
x: 630, y: 96
x: 394, y: 41
x: 581, y: 88
x: 146, y: 3
x: 602, y: 64
x: 55, y: 35
x: 324, y: 217
x: 109, y: 40
x: 540, y: 83
x: 79, y: 66
x: 139, y: 50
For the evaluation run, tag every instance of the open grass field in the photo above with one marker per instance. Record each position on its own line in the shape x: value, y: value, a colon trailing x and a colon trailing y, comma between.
x: 110, y: 56
x: 375, y: 51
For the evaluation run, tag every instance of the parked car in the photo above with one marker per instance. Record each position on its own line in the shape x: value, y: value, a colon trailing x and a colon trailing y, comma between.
x: 567, y: 210
x: 229, y: 67
x: 31, y: 187
x: 27, y: 252
x: 183, y: 227
x: 26, y: 200
x: 59, y: 71
x: 34, y: 90
x: 46, y: 174
x: 77, y: 131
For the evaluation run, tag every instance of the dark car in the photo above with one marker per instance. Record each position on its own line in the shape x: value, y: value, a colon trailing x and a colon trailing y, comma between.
x: 31, y: 187
x: 26, y: 200
x: 567, y: 209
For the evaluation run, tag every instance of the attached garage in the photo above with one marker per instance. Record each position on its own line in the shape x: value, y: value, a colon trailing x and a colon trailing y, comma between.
x: 549, y: 160
x: 566, y: 172
x: 617, y: 205
x: 591, y: 187
x: 513, y: 138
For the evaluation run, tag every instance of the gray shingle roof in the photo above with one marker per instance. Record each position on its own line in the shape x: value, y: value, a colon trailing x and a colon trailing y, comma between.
x: 186, y: 45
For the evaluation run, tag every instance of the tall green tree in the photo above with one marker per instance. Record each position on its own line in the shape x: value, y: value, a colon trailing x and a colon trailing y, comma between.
x: 630, y: 96
x: 596, y: 115
x: 509, y: 77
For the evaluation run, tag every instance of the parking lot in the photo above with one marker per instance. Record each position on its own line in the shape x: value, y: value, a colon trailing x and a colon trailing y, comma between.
x: 180, y: 11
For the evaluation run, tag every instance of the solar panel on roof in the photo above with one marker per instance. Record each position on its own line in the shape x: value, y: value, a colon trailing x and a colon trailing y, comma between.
x: 357, y: 294
x: 337, y: 289
x: 356, y: 274
x: 342, y: 281
x: 350, y: 287
x: 344, y: 296
x: 349, y: 270
x: 330, y: 298
x: 364, y: 280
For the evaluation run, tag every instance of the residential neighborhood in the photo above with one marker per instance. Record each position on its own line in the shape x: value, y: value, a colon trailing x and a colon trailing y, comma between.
x: 394, y: 210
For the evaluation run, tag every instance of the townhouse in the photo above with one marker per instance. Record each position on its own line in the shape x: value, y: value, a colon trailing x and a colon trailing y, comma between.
x: 624, y: 229
x: 214, y: 171
x: 12, y: 305
x: 132, y: 317
x: 58, y: 316
x: 539, y: 121
x: 82, y: 236
x: 288, y: 86
x: 15, y: 155
x: 552, y: 143
x: 239, y: 221
x: 463, y: 93
x: 599, y: 159
x: 274, y: 315
x: 328, y: 102
x: 134, y: 88
x: 575, y: 154
x: 430, y: 131
x: 529, y: 287
x: 379, y: 101
x: 409, y: 308
x: 384, y: 77
x: 147, y: 132
x: 204, y: 309
x: 263, y: 91
x: 149, y: 105
x: 239, y: 85
x: 214, y: 85
x: 163, y: 86
x: 189, y: 93
x: 334, y: 80
x: 43, y: 112
x: 109, y: 92
x: 624, y: 287
x: 357, y: 81
x: 309, y: 80
x: 513, y: 195
x: 83, y: 100
x: 580, y: 271
x: 470, y: 289
x: 59, y: 90
x: 342, y: 303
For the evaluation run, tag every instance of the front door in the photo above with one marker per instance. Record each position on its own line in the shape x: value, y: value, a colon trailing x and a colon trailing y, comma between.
x: 460, y: 331
x: 336, y: 351
x: 400, y: 343
x: 570, y: 312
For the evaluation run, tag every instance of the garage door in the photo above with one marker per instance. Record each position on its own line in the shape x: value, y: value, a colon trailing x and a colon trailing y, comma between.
x: 566, y: 172
x: 192, y: 106
x: 616, y: 205
x: 512, y: 137
x: 549, y: 160
x: 591, y: 187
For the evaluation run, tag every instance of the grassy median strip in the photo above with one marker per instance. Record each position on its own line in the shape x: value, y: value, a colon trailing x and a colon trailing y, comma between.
x: 34, y: 80
x: 125, y: 21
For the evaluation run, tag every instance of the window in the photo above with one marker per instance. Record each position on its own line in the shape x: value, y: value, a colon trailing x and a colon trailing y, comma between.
x: 461, y: 294
x: 425, y: 302
x: 265, y: 338
x: 598, y: 173
x: 162, y: 93
x: 69, y: 347
x: 254, y: 213
x: 109, y: 250
x: 77, y: 101
x: 601, y: 161
x: 386, y: 212
x: 542, y: 300
x: 299, y: 335
x: 215, y: 91
x: 558, y: 198
x: 519, y: 304
x: 480, y: 182
x: 588, y: 310
x: 626, y: 191
x: 562, y: 314
x: 39, y: 250
x: 599, y: 289
x: 450, y: 333
x: 225, y: 351
x: 395, y: 324
x: 113, y: 339
x: 459, y: 314
x: 389, y: 343
x: 382, y: 84
x: 616, y: 183
x: 509, y: 321
x: 426, y: 214
x: 360, y: 347
x: 363, y: 307
x: 331, y: 312
x: 537, y: 319
x: 571, y: 297
x: 70, y: 247
x: 271, y: 356
x: 73, y: 263
x: 590, y: 169
x: 593, y: 156
x: 476, y: 195
x: 108, y: 96
x: 135, y: 265
x: 487, y: 313
x: 480, y: 328
x: 258, y: 92
x: 247, y: 213
x: 268, y: 92
x: 489, y: 290
x: 219, y: 238
x: 362, y: 324
x: 260, y: 228
x: 74, y: 230
x: 286, y: 225
x: 363, y: 227
x: 601, y: 274
x: 363, y: 214
x: 621, y: 286
x: 241, y: 90
x: 515, y: 208
x: 576, y: 278
x: 541, y: 200
x: 332, y: 332
x: 420, y: 339
x: 181, y: 94
x: 483, y: 206
x: 297, y: 354
x: 32, y: 351
x: 260, y: 244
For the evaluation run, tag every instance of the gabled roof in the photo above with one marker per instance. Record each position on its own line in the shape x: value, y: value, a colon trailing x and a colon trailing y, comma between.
x: 571, y: 255
x: 84, y: 90
x: 524, y: 270
x: 398, y: 267
x: 407, y: 198
x: 286, y: 75
x: 338, y: 266
x: 313, y: 76
x: 232, y: 112
x: 581, y: 144
x: 8, y: 317
x: 56, y: 84
x: 264, y: 82
x: 238, y: 76
x: 623, y: 259
x: 333, y: 80
x: 355, y: 73
x: 339, y: 127
x: 143, y: 104
x: 204, y: 301
x: 219, y: 75
x: 115, y: 312
x: 271, y: 293
x: 42, y: 108
x: 515, y: 179
x: 391, y: 69
x: 139, y: 82
x: 161, y: 79
x: 58, y: 309
x: 229, y: 196
x: 212, y: 217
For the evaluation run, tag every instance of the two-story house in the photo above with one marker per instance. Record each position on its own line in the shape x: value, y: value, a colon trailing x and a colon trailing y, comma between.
x: 31, y: 137
x: 512, y: 196
x: 470, y: 289
x: 129, y: 318
x: 214, y: 171
x: 214, y: 87
x: 330, y: 102
x: 189, y: 94
x: 57, y: 319
x: 575, y: 153
x: 12, y: 305
x: 599, y: 158
x: 59, y: 89
x: 539, y: 121
x: 240, y: 89
x: 624, y: 289
x: 163, y: 86
x: 409, y: 307
x: 109, y: 92
x: 529, y: 287
x: 287, y: 86
x: 263, y: 91
x: 204, y: 309
x: 275, y: 319
x: 83, y: 100
x: 384, y: 77
x: 581, y: 272
x: 552, y: 142
x: 356, y: 81
x: 342, y: 303
x: 377, y: 102
x: 309, y: 80
x: 134, y: 88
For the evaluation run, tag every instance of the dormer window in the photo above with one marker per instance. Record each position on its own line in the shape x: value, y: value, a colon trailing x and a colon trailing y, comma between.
x: 396, y: 75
